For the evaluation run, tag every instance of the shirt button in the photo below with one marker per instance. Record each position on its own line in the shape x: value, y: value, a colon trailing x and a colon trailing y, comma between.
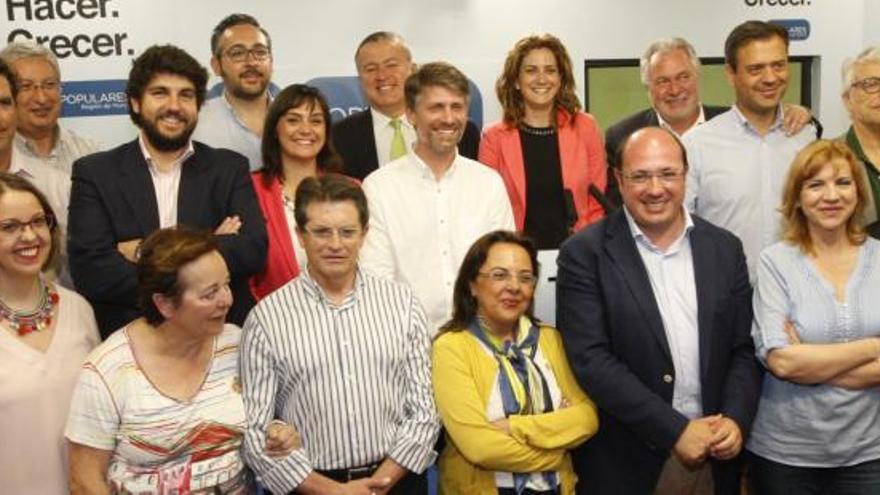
x: 667, y: 378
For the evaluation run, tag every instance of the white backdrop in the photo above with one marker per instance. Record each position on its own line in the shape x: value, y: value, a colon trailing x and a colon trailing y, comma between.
x: 317, y: 38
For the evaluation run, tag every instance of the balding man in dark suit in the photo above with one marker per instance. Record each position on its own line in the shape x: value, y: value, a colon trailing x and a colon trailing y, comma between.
x: 654, y: 306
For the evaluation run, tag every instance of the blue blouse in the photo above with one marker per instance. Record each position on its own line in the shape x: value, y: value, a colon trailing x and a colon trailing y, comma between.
x: 815, y: 425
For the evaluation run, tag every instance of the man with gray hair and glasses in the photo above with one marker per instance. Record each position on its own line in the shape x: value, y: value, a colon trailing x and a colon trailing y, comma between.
x: 861, y: 97
x: 38, y: 106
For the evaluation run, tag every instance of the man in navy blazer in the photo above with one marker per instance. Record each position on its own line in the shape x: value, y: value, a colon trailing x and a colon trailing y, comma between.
x: 160, y: 179
x: 654, y: 306
x: 364, y: 139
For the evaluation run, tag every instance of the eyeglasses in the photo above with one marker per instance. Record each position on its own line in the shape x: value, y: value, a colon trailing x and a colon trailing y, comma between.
x: 326, y: 233
x: 502, y: 276
x: 14, y: 228
x: 48, y: 86
x: 870, y: 85
x: 666, y: 176
x: 239, y: 54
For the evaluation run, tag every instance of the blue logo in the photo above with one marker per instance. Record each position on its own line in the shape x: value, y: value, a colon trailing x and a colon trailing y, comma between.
x: 798, y: 29
x: 94, y: 98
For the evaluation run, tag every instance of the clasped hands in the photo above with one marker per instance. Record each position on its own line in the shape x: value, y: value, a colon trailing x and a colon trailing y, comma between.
x: 130, y: 249
x: 714, y: 436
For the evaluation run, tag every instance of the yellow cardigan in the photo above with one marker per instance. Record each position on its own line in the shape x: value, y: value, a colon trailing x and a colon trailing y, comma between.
x: 463, y: 377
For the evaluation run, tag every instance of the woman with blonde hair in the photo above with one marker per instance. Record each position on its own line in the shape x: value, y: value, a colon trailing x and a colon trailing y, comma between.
x: 817, y: 331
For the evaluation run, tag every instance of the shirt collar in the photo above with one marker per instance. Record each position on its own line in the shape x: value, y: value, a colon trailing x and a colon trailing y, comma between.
x: 381, y: 121
x: 777, y: 124
x: 188, y: 152
x: 24, y: 165
x: 701, y: 119
x: 316, y: 292
x: 27, y: 144
x: 425, y: 171
x: 643, y: 239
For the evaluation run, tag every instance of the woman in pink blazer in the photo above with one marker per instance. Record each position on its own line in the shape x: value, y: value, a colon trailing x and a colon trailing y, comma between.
x: 296, y: 145
x: 549, y: 153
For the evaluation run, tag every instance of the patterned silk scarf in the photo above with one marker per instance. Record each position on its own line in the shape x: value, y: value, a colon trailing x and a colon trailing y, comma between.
x: 523, y: 388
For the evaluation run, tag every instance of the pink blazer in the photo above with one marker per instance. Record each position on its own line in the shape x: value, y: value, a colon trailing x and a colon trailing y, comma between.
x: 581, y: 154
x: 281, y: 265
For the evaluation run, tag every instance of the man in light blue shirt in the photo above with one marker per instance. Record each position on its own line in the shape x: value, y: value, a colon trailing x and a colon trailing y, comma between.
x: 740, y: 158
x: 242, y: 56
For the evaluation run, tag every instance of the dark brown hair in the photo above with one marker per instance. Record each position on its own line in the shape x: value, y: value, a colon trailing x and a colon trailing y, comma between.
x: 511, y: 98
x: 163, y: 59
x: 292, y: 97
x: 748, y: 32
x: 12, y: 182
x: 329, y: 188
x: 464, y: 304
x: 233, y: 20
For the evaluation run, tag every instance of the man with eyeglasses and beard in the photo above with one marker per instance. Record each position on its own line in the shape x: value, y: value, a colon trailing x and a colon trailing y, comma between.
x: 242, y: 56
x: 861, y: 97
x: 161, y: 179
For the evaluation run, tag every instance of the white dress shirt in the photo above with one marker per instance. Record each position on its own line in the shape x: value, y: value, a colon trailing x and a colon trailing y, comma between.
x: 166, y: 184
x: 701, y: 119
x: 671, y: 272
x: 421, y: 227
x: 383, y: 132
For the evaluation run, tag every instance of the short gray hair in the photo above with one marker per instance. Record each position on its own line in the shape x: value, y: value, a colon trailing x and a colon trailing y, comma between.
x: 666, y: 45
x: 870, y: 55
x: 29, y: 49
x: 388, y: 36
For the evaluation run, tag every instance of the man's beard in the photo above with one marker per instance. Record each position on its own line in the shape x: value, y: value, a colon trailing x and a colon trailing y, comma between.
x: 246, y: 93
x: 166, y: 143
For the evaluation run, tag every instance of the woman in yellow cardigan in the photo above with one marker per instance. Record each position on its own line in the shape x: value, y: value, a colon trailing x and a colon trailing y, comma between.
x: 507, y: 397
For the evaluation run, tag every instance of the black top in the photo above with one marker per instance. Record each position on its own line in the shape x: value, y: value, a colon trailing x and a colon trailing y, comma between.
x: 546, y: 219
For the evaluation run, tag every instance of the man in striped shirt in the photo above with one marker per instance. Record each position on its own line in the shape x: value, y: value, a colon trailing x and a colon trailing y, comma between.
x: 342, y: 356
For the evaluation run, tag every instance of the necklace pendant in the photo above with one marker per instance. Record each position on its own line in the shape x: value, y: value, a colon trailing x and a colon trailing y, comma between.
x: 25, y: 328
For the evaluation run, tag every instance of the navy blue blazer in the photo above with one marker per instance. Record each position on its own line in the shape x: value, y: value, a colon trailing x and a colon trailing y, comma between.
x: 113, y: 200
x: 354, y: 140
x: 615, y: 341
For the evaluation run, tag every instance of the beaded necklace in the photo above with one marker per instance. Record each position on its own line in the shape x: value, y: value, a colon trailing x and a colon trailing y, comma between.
x: 34, y: 320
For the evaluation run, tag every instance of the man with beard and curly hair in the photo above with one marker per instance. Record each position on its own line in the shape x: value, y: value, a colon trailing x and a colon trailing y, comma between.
x: 162, y: 178
x: 242, y: 56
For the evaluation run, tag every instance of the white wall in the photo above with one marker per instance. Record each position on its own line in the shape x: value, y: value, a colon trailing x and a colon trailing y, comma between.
x: 317, y: 38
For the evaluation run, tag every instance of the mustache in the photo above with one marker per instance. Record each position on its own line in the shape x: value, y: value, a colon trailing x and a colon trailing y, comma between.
x: 252, y: 72
x: 174, y: 113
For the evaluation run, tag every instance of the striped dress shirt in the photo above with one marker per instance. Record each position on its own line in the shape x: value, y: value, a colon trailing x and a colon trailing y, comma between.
x: 354, y: 379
